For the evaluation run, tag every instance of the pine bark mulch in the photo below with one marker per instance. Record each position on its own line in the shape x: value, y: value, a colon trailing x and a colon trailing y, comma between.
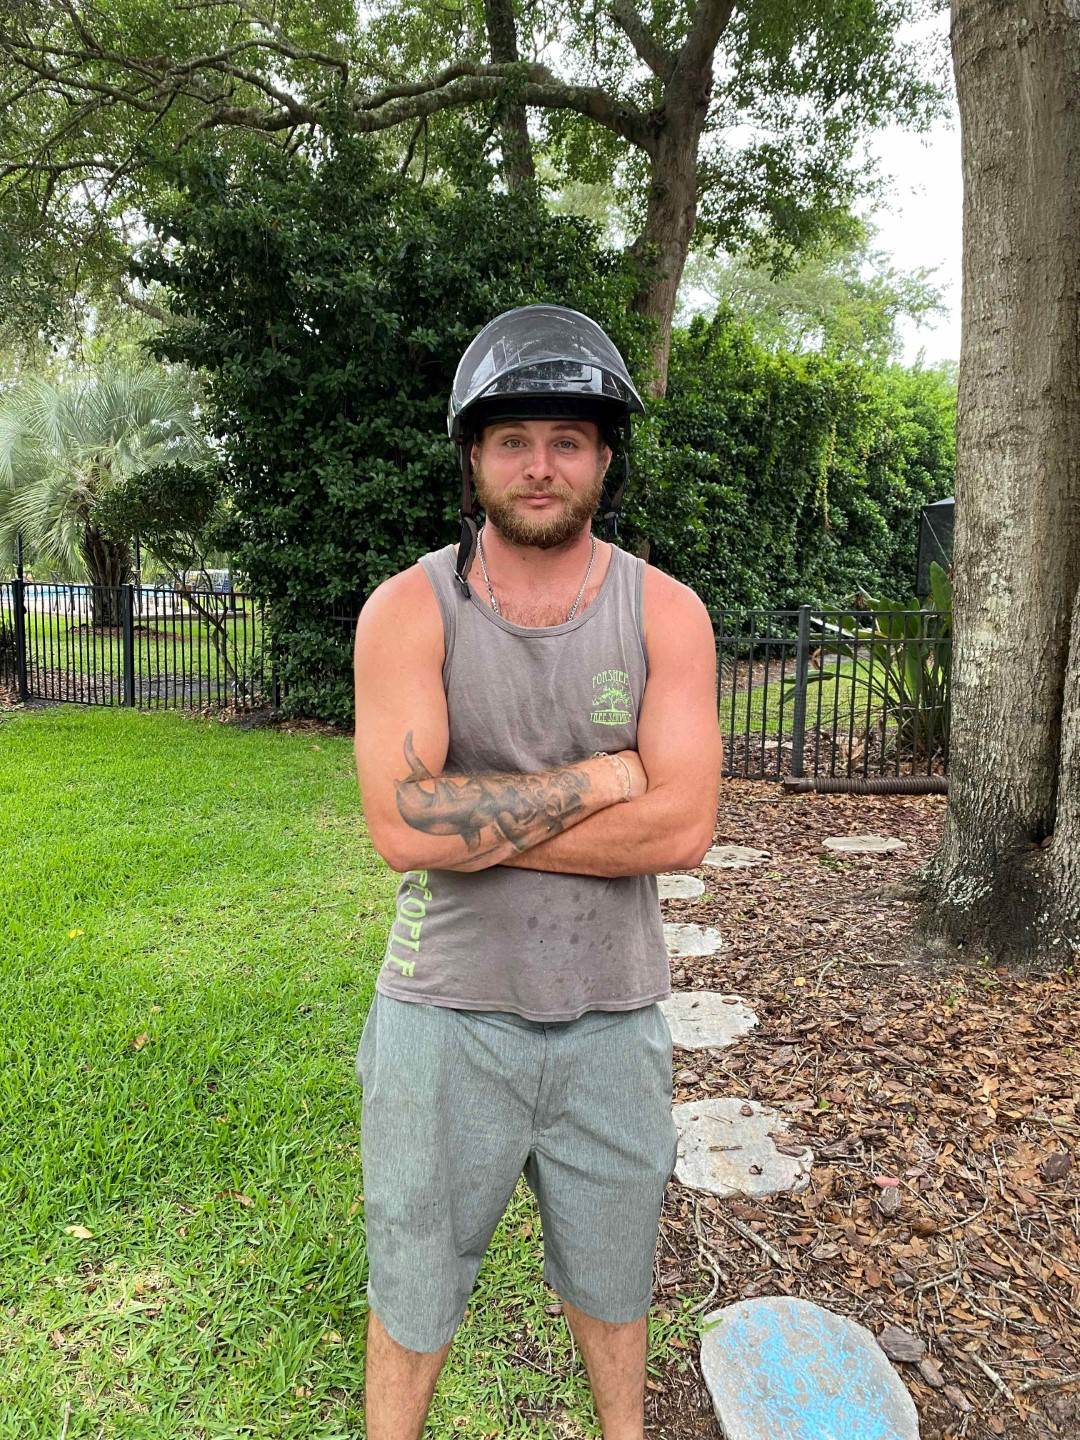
x: 940, y: 1101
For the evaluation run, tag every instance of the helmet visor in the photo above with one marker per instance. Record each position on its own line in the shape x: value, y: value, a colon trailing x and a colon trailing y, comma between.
x: 541, y: 350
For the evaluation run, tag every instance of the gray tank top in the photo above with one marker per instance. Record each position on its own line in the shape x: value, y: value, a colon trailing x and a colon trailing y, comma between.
x: 547, y: 947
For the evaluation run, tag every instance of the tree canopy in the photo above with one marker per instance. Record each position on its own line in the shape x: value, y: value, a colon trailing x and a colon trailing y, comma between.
x: 720, y: 124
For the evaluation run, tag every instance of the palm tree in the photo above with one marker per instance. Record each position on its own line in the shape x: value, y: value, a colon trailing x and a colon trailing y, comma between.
x: 63, y: 445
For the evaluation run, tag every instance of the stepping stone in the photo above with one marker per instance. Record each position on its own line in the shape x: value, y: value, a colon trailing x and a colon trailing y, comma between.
x: 682, y: 940
x: 726, y: 1152
x: 734, y: 857
x: 864, y: 844
x: 778, y: 1368
x: 679, y: 887
x: 704, y: 1019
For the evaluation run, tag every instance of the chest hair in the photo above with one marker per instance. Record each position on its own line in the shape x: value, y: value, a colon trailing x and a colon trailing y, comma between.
x: 536, y: 612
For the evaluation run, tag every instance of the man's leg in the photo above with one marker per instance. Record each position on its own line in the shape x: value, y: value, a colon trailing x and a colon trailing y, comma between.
x: 398, y: 1385
x: 615, y: 1359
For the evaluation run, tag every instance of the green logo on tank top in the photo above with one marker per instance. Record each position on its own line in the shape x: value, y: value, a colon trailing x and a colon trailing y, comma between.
x: 611, y: 698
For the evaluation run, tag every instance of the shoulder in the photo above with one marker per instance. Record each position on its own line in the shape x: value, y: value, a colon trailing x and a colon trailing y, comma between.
x: 405, y: 606
x: 673, y: 612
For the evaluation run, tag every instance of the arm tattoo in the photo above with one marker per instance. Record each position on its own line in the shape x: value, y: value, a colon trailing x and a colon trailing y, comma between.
x: 523, y: 809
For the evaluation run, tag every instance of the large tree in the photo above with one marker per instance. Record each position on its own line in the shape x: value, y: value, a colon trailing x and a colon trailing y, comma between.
x: 740, y: 122
x: 1005, y: 881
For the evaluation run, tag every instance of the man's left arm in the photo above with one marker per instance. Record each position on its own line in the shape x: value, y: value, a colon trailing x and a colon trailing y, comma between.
x: 678, y: 739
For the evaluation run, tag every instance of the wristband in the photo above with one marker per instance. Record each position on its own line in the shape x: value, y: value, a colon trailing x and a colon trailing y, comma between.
x: 607, y: 755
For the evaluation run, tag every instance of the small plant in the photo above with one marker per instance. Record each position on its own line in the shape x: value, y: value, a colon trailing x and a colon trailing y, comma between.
x: 903, y: 661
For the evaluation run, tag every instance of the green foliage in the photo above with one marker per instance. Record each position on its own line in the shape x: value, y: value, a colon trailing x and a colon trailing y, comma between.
x: 843, y: 298
x: 97, y: 96
x: 65, y: 444
x: 329, y: 306
x: 773, y: 479
x: 902, y: 662
x: 177, y: 511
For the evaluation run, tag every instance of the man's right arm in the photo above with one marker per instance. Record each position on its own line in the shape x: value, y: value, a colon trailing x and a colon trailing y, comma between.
x: 419, y: 817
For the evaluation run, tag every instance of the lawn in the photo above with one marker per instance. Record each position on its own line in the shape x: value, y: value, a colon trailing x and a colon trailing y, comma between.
x: 191, y: 921
x: 843, y: 702
x: 163, y: 646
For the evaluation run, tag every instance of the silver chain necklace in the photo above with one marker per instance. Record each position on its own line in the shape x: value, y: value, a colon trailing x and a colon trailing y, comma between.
x: 491, y: 593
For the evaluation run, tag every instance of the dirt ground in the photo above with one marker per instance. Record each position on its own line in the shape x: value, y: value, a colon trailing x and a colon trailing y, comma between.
x: 940, y: 1102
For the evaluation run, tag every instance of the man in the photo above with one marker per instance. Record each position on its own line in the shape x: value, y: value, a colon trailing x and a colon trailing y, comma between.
x: 531, y: 751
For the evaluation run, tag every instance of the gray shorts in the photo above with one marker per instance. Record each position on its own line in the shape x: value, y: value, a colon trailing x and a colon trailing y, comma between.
x: 458, y: 1103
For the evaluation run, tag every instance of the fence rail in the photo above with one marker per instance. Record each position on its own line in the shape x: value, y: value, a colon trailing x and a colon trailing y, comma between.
x: 804, y: 691
x: 142, y: 646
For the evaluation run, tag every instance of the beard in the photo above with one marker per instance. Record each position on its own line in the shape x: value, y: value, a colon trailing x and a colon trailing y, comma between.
x: 544, y: 531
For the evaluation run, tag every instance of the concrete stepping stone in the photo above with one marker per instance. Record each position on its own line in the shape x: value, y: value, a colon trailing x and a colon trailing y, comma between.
x: 679, y: 887
x: 727, y: 1147
x: 864, y: 844
x: 734, y: 857
x: 706, y: 1020
x: 779, y: 1368
x: 683, y: 940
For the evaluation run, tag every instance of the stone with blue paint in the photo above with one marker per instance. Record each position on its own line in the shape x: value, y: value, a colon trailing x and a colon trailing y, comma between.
x: 779, y: 1368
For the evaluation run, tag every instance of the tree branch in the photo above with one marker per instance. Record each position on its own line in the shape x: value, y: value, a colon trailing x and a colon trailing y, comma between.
x: 144, y: 307
x: 466, y: 84
x: 151, y: 83
x: 709, y: 23
x: 659, y: 60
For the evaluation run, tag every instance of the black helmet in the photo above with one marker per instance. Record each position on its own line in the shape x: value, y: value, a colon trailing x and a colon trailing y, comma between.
x: 538, y: 362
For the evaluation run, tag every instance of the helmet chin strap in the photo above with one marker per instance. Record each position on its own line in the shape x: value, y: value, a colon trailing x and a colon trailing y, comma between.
x: 611, y: 500
x: 467, y: 544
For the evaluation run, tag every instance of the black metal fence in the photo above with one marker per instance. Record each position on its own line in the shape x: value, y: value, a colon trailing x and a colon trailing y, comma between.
x: 801, y: 692
x: 143, y: 646
x: 833, y: 692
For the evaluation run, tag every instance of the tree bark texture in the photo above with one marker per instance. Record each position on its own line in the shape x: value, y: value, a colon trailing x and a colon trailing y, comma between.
x: 1005, y: 881
x: 518, y: 165
x: 109, y: 567
x: 664, y: 243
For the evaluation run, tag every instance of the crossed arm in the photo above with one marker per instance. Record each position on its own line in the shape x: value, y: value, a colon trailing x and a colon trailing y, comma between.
x: 573, y: 819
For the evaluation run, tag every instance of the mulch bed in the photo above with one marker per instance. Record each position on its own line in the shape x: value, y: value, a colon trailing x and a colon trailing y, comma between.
x: 940, y: 1102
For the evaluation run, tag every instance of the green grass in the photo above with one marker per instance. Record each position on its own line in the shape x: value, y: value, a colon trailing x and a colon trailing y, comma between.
x: 767, y: 707
x: 191, y: 921
x: 174, y: 645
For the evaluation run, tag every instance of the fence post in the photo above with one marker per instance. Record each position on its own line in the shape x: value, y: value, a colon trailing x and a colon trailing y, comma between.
x: 127, y: 620
x: 18, y: 593
x: 798, y: 719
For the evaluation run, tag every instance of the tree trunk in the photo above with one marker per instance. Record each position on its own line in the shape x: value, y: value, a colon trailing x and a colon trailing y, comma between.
x: 517, y: 148
x: 1005, y: 881
x: 109, y: 566
x: 664, y: 243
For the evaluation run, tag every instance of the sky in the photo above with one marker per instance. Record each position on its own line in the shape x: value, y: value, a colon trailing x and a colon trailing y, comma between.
x: 921, y: 222
x: 922, y: 227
